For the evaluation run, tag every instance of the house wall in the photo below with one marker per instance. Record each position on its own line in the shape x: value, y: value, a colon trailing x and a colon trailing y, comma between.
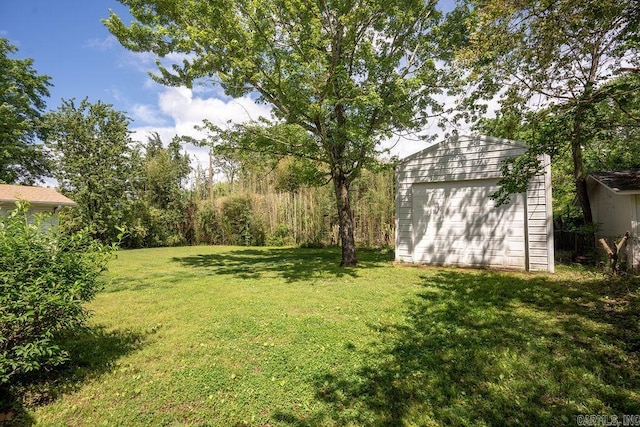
x: 51, y: 221
x: 616, y: 214
x: 612, y: 212
x: 540, y: 221
x: 467, y: 158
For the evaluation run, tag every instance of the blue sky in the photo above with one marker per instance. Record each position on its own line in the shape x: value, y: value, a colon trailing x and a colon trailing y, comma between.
x: 69, y: 43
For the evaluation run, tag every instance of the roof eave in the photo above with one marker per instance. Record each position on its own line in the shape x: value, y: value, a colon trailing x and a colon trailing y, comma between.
x: 40, y: 203
x: 615, y: 191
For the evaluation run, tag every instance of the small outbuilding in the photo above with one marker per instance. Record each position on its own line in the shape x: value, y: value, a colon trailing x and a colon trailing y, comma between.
x: 445, y: 216
x: 41, y: 200
x: 615, y: 205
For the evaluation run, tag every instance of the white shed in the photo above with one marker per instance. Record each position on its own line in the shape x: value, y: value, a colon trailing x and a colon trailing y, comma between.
x: 444, y: 214
x: 615, y: 205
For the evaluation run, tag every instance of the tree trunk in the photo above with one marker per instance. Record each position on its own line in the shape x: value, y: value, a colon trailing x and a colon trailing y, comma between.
x: 581, y: 182
x: 577, y: 138
x: 345, y: 217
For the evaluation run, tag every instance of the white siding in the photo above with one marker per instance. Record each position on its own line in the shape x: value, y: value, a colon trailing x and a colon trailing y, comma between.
x: 612, y: 212
x: 470, y: 166
x: 52, y: 220
x: 615, y: 214
x: 540, y: 221
x: 456, y: 223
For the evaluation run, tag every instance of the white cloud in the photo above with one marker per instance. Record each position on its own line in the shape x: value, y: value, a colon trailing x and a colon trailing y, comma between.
x: 138, y: 61
x: 181, y: 104
x: 141, y: 133
x: 185, y: 110
x: 107, y: 43
x: 147, y: 114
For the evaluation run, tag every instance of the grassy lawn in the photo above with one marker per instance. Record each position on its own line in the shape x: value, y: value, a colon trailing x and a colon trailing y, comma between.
x: 265, y: 336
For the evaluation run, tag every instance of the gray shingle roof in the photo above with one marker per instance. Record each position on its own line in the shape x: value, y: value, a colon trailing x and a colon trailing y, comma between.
x: 620, y: 182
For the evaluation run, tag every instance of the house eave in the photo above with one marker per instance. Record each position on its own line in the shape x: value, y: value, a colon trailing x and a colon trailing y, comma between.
x: 615, y: 190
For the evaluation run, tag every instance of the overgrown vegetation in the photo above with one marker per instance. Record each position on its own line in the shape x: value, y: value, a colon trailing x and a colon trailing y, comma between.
x: 282, y: 336
x: 255, y: 210
x: 45, y: 279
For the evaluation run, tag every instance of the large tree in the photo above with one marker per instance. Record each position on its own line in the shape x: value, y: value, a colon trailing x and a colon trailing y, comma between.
x: 22, y: 94
x: 348, y: 73
x: 563, y: 55
x: 163, y: 206
x: 166, y: 170
x: 612, y: 142
x: 97, y: 164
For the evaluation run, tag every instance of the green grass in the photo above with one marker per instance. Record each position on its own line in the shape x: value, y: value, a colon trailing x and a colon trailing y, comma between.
x: 265, y: 336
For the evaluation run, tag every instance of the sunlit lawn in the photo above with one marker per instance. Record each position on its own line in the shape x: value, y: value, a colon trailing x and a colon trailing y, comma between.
x: 266, y: 336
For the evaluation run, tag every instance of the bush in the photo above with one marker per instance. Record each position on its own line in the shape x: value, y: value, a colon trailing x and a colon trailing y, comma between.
x: 281, y: 236
x: 45, y: 277
x: 240, y: 225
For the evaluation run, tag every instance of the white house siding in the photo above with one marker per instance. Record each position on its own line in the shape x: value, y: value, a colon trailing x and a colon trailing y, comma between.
x: 615, y: 214
x: 468, y: 168
x: 611, y: 212
x: 51, y: 211
x: 540, y: 222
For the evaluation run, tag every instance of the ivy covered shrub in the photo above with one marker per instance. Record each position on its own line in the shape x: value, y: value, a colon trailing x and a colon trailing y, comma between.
x: 45, y: 278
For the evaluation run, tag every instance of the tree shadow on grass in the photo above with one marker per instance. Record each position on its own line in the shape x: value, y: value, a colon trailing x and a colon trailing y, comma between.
x: 292, y: 264
x: 494, y: 349
x: 93, y: 352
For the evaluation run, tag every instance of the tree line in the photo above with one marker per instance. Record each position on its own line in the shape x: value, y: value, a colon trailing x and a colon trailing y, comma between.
x: 149, y: 194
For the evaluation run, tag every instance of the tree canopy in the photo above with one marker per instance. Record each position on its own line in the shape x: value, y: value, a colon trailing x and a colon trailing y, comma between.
x: 346, y: 73
x: 566, y: 57
x: 97, y: 164
x: 22, y: 101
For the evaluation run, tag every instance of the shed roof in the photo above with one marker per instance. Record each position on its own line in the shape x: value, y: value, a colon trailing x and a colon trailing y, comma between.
x: 620, y: 182
x: 34, y: 195
x: 480, y: 140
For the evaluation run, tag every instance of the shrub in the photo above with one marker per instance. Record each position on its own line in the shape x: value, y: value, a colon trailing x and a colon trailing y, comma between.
x: 45, y: 277
x: 281, y: 236
x: 241, y: 226
x: 208, y: 229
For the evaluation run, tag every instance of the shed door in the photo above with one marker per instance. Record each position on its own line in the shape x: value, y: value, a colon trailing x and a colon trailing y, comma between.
x: 456, y: 223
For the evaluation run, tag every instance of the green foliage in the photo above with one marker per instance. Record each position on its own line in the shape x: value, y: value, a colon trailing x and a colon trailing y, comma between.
x: 240, y: 225
x: 97, y: 165
x: 281, y: 236
x: 575, y: 61
x: 22, y: 93
x: 291, y: 210
x: 229, y: 220
x: 611, y: 128
x: 162, y: 207
x: 165, y: 171
x: 45, y: 278
x: 208, y: 229
x: 340, y: 77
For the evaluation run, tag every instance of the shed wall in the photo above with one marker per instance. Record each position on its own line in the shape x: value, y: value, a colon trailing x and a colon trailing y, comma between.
x: 466, y: 158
